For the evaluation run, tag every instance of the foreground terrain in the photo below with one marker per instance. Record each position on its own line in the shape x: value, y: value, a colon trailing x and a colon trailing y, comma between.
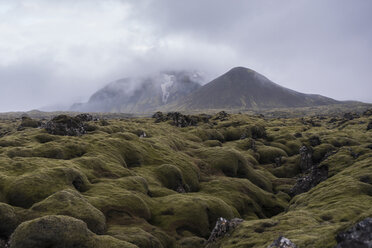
x: 165, y: 181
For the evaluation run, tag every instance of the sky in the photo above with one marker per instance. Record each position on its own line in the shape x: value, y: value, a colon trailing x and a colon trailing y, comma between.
x: 56, y: 53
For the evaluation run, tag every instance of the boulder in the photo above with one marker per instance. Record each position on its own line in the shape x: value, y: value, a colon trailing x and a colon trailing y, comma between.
x: 222, y: 227
x: 282, y: 242
x: 67, y: 125
x: 310, y: 179
x: 358, y: 236
x: 222, y: 116
x: 369, y: 126
x: 306, y: 161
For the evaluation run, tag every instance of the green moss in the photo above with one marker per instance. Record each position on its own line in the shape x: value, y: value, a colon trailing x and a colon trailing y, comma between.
x: 269, y: 153
x: 170, y: 176
x: 171, y: 213
x: 71, y: 203
x: 25, y: 190
x: 212, y: 143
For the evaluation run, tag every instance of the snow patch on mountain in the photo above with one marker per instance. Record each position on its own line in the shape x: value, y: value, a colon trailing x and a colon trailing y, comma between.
x: 168, y: 81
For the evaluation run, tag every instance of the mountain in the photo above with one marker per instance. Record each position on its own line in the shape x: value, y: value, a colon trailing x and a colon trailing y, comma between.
x: 141, y: 95
x: 242, y: 88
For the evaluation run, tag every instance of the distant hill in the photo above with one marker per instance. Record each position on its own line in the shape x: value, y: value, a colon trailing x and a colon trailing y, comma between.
x: 140, y: 95
x: 242, y: 88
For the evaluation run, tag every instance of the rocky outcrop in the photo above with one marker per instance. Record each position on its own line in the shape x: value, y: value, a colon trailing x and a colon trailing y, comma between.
x: 282, y: 242
x: 369, y: 126
x: 310, y: 179
x: 222, y: 227
x: 67, y: 125
x: 221, y: 116
x: 306, y: 161
x: 180, y: 120
x: 359, y: 236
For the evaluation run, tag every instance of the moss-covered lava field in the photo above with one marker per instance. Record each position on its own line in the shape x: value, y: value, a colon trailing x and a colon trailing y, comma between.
x: 145, y: 182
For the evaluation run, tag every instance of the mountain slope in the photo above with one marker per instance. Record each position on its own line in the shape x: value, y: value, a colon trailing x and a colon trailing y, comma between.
x: 141, y: 95
x: 244, y: 88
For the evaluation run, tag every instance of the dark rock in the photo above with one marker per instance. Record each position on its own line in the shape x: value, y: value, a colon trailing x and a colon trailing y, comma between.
x: 333, y: 120
x: 306, y: 161
x: 353, y: 154
x: 278, y: 161
x: 84, y: 117
x: 309, y: 180
x: 369, y: 146
x: 351, y: 116
x: 368, y: 112
x: 298, y: 135
x: 282, y: 242
x: 4, y: 244
x: 180, y: 120
x: 369, y: 126
x: 359, y: 236
x: 222, y: 116
x: 67, y: 126
x: 222, y: 227
x: 314, y: 141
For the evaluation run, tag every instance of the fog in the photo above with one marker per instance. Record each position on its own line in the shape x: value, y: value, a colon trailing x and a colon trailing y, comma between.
x: 56, y: 53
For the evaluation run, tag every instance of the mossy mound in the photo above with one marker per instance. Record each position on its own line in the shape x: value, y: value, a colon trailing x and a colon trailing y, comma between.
x: 172, y: 213
x: 58, y: 231
x: 8, y: 220
x: 170, y: 176
x: 269, y: 153
x: 25, y: 190
x: 71, y: 203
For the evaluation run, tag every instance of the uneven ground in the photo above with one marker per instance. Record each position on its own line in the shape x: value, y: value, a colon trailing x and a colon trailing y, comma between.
x: 113, y: 188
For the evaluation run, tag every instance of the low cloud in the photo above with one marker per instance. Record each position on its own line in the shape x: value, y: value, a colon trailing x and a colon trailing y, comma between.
x: 60, y: 52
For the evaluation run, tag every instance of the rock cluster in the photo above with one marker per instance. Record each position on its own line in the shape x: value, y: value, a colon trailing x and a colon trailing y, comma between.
x: 369, y: 126
x: 359, y: 236
x: 67, y: 125
x: 222, y: 227
x: 222, y: 116
x: 180, y: 120
x: 306, y: 161
x: 310, y: 179
x: 282, y: 242
x: 313, y: 174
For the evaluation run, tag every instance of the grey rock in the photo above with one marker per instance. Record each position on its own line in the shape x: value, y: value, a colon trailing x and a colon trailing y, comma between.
x: 358, y: 236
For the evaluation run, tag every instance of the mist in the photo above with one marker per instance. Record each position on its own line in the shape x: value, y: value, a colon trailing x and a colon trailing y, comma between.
x: 56, y: 53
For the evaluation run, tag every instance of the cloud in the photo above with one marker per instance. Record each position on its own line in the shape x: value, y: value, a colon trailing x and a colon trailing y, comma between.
x: 62, y: 51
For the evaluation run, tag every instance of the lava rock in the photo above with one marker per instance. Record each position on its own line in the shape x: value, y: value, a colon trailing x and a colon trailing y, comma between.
x: 369, y: 126
x: 368, y: 112
x: 282, y: 242
x: 314, y: 141
x: 179, y: 119
x: 67, y: 126
x: 222, y: 116
x: 313, y: 177
x: 351, y: 116
x: 306, y: 161
x: 222, y: 227
x: 359, y: 236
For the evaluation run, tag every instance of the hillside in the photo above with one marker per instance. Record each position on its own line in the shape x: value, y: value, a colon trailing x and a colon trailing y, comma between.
x: 242, y: 88
x: 146, y: 182
x: 141, y: 95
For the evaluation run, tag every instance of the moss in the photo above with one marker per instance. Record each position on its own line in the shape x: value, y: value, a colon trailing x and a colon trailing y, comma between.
x: 170, y: 176
x: 192, y: 242
x: 25, y: 190
x: 111, y: 198
x: 320, y: 151
x: 8, y: 220
x: 212, y: 143
x: 59, y: 231
x: 171, y: 213
x: 45, y: 138
x: 268, y: 154
x: 71, y: 203
x: 249, y: 200
x: 208, y: 134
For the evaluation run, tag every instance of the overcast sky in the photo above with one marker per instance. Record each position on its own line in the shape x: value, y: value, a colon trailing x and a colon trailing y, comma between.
x: 60, y: 52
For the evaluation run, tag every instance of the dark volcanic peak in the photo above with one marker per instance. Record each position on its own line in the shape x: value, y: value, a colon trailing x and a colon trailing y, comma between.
x: 243, y: 88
